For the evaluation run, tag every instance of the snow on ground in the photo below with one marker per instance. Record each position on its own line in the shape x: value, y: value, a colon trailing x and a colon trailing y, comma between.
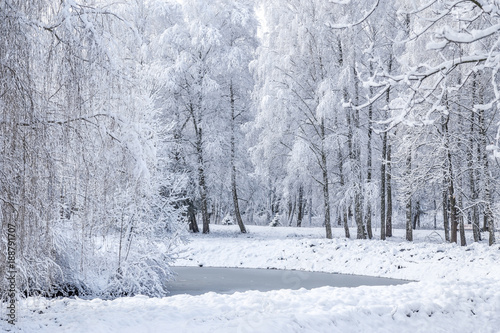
x: 458, y: 289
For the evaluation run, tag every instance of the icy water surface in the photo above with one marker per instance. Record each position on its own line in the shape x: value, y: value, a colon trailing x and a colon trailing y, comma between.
x: 200, y: 280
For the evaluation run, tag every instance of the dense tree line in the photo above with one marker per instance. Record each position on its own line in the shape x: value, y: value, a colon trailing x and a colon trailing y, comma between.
x: 363, y: 114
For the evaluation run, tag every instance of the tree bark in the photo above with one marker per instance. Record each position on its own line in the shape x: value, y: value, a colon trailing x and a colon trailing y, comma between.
x: 488, y: 212
x: 463, y: 241
x: 234, y: 187
x: 326, y: 195
x: 451, y: 186
x: 382, y: 188
x: 368, y: 216
x: 300, y: 213
x: 409, y: 230
x: 201, y: 171
x: 388, y: 183
x: 446, y: 220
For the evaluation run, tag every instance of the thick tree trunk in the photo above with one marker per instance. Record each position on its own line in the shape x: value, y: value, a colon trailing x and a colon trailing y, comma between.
x: 234, y: 187
x: 193, y: 225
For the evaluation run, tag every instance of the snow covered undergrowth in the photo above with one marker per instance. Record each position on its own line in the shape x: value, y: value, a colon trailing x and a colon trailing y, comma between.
x: 458, y: 290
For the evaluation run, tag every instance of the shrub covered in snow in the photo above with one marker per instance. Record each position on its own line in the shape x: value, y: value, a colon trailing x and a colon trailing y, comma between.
x: 227, y: 220
x: 276, y: 221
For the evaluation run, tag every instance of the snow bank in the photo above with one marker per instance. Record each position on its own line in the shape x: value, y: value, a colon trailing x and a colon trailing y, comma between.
x: 458, y: 290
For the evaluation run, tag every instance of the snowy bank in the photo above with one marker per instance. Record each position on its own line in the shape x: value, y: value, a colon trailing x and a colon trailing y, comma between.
x: 458, y: 290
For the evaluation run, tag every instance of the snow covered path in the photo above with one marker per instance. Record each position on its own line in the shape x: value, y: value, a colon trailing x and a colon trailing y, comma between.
x: 458, y: 290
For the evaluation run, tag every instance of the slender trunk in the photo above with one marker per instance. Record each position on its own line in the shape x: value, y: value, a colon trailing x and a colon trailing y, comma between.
x: 233, y: 163
x: 446, y: 220
x: 201, y: 175
x: 451, y: 185
x: 203, y: 190
x: 358, y: 197
x: 326, y: 195
x: 388, y: 167
x: 470, y: 166
x: 342, y: 184
x: 300, y: 214
x: 409, y: 230
x: 488, y: 212
x: 346, y: 224
x: 463, y: 241
x: 382, y: 188
x: 388, y: 183
x: 368, y: 216
x: 310, y: 210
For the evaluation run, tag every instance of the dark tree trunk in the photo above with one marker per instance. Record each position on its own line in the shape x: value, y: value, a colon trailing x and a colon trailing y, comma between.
x: 488, y: 212
x: 446, y: 219
x: 388, y: 168
x: 300, y: 214
x: 368, y: 216
x: 193, y: 225
x: 382, y: 188
x: 388, y: 183
x: 463, y: 241
x: 234, y: 186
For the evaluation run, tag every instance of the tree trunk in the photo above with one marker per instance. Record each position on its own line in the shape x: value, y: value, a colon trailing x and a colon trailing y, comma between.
x: 346, y: 224
x: 382, y: 188
x: 300, y: 214
x: 310, y: 210
x: 474, y: 193
x: 463, y: 241
x: 342, y: 184
x: 326, y: 195
x: 446, y: 220
x: 193, y: 225
x: 388, y: 166
x: 451, y: 185
x: 368, y: 216
x: 234, y: 187
x: 488, y: 212
x: 203, y: 194
x: 388, y: 183
x: 409, y: 230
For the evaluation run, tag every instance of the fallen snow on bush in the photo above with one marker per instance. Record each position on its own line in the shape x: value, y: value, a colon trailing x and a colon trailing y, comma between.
x: 457, y: 289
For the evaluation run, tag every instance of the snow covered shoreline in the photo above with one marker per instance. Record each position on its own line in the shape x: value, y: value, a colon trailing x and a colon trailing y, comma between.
x: 458, y: 289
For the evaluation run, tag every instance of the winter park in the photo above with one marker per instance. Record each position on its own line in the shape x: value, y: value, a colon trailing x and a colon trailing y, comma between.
x: 250, y: 166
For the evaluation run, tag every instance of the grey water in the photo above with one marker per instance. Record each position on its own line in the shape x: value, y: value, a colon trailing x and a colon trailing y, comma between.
x: 200, y: 280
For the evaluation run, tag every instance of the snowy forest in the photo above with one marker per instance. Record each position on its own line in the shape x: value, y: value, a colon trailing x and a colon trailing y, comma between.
x: 125, y: 124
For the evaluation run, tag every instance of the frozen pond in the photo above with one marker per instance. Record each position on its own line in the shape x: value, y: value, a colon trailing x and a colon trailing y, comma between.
x: 200, y: 280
